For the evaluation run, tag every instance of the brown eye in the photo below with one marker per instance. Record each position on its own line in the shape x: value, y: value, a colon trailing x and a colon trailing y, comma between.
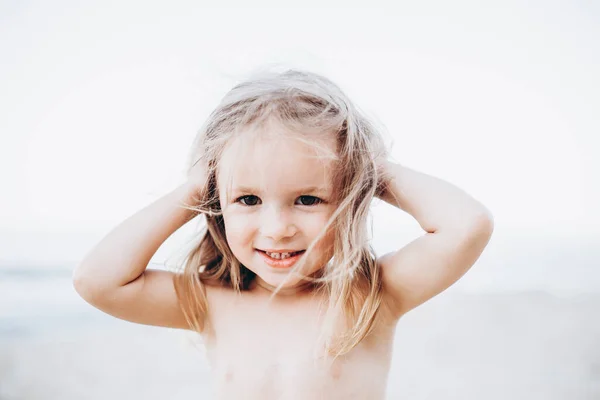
x: 311, y: 200
x: 245, y: 202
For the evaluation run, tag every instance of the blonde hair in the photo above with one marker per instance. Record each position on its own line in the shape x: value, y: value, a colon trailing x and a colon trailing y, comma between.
x: 308, y: 104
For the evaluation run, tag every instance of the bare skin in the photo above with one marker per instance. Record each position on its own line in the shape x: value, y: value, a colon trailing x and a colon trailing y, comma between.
x: 265, y: 351
x: 258, y: 350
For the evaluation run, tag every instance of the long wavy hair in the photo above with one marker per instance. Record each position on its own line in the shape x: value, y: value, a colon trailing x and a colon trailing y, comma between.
x: 308, y: 104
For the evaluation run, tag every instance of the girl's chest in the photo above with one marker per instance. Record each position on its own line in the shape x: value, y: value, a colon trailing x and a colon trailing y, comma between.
x: 281, y: 363
x: 277, y: 350
x: 264, y: 336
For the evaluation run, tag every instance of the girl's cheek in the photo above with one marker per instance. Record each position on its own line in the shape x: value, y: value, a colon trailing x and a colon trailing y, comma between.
x: 323, y: 221
x: 238, y: 227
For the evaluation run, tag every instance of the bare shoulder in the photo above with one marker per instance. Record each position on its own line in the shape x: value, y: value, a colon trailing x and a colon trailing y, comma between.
x: 216, y: 294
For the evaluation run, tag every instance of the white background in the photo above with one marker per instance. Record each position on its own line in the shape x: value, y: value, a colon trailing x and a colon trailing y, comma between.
x: 99, y: 104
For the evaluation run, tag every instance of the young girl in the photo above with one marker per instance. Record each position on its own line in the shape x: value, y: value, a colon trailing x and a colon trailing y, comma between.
x: 283, y: 286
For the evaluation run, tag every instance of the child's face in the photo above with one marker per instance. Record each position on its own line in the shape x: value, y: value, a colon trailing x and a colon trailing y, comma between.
x: 275, y: 210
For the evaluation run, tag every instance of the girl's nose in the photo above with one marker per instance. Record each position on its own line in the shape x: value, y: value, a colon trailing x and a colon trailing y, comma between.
x: 277, y: 224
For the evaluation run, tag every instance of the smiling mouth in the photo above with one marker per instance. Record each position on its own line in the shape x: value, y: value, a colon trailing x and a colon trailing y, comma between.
x: 290, y: 254
x: 281, y: 263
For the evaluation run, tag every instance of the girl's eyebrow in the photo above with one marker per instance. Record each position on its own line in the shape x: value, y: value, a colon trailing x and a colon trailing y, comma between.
x: 309, y: 189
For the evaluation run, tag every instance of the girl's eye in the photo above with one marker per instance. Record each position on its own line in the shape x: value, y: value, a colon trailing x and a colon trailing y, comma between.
x: 250, y: 200
x: 247, y: 197
x: 312, y: 199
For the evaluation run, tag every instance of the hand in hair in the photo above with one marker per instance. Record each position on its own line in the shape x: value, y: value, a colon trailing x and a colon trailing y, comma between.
x: 197, y: 175
x: 383, y: 179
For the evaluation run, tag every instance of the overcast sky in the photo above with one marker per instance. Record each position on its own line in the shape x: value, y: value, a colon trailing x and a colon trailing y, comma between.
x: 101, y: 102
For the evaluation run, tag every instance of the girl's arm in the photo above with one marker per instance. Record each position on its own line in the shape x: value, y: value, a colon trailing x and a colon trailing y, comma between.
x: 457, y: 228
x: 113, y: 275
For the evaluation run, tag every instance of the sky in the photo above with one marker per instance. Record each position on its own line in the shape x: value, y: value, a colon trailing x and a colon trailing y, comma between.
x: 100, y: 102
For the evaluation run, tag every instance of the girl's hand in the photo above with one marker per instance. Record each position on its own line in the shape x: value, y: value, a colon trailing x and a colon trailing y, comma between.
x: 197, y: 176
x: 383, y: 177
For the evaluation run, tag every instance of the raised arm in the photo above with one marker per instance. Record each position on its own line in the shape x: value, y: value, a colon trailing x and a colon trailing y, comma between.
x: 113, y: 276
x: 457, y: 228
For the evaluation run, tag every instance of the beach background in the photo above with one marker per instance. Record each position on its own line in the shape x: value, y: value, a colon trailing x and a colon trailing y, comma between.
x: 475, y: 340
x: 101, y: 102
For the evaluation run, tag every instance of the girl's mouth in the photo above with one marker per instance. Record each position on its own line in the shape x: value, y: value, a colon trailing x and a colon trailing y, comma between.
x: 281, y: 262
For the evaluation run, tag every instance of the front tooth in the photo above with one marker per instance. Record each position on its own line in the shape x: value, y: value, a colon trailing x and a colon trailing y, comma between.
x: 279, y: 256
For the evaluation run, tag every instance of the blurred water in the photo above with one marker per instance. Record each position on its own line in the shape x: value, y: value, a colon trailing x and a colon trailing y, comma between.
x: 39, y: 298
x: 40, y: 304
x: 559, y: 265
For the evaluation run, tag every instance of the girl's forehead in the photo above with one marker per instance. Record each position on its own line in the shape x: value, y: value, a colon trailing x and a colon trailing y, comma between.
x: 269, y: 159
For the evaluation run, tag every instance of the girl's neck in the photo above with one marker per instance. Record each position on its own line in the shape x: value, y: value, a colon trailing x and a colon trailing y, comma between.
x: 301, y: 287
